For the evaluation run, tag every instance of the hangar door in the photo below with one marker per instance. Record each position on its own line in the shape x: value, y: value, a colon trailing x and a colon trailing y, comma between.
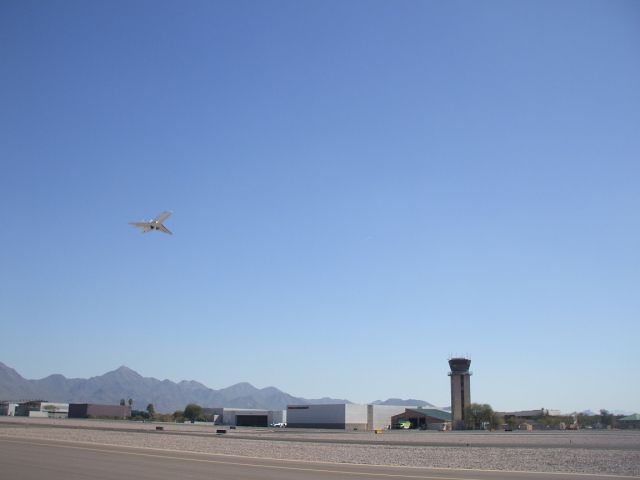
x: 252, y: 421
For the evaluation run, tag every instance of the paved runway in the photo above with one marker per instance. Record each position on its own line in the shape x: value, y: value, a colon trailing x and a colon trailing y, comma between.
x: 27, y: 459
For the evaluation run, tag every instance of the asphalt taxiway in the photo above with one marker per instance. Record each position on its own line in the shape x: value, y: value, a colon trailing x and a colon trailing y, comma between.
x: 31, y: 459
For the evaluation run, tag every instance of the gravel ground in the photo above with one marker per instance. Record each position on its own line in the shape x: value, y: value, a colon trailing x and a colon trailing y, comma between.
x: 611, y: 452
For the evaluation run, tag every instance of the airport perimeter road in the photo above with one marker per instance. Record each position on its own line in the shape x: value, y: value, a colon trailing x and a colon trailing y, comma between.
x: 27, y: 459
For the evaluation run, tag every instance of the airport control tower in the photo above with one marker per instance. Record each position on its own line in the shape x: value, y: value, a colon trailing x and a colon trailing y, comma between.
x: 460, y: 389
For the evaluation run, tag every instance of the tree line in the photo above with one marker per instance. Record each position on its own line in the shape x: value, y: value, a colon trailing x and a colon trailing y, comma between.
x: 482, y: 417
x: 192, y: 412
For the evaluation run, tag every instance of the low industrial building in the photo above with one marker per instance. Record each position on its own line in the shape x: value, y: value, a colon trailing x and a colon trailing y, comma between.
x: 524, y: 414
x: 8, y: 408
x: 42, y: 409
x: 334, y: 416
x: 349, y: 416
x: 631, y: 421
x: 246, y: 417
x: 92, y: 410
x: 424, y: 418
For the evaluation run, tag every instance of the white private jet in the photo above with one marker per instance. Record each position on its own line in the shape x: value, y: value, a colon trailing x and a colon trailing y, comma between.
x: 155, y: 224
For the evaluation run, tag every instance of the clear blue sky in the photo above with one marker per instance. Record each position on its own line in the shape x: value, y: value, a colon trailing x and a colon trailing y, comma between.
x: 360, y: 189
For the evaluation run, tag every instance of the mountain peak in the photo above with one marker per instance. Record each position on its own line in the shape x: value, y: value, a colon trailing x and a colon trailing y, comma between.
x: 239, y: 389
x: 10, y: 372
x: 124, y: 373
x: 242, y: 384
x: 124, y: 370
x: 191, y: 384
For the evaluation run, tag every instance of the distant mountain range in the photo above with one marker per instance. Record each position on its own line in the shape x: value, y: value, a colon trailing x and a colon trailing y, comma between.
x: 409, y: 403
x: 165, y: 395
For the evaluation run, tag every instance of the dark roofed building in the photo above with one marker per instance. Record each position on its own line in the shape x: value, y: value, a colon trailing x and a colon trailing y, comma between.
x: 91, y: 410
x: 526, y: 414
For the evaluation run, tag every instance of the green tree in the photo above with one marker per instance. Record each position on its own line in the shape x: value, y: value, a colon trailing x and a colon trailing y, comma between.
x: 122, y: 402
x: 479, y: 416
x: 151, y: 410
x: 178, y: 416
x: 606, y: 418
x: 139, y: 415
x: 192, y: 412
x: 512, y: 422
x: 552, y: 421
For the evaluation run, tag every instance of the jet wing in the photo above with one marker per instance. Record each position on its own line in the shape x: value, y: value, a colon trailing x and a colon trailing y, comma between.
x: 164, y: 229
x: 163, y: 216
x: 145, y: 226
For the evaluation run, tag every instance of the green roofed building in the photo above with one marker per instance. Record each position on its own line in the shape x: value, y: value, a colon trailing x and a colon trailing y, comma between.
x: 424, y: 418
x: 632, y: 421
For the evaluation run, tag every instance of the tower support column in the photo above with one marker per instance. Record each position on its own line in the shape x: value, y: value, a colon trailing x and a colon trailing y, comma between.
x: 460, y: 389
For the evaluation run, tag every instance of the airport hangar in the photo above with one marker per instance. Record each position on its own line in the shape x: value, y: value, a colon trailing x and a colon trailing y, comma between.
x: 246, y: 417
x: 349, y: 416
x: 341, y: 416
x: 424, y: 418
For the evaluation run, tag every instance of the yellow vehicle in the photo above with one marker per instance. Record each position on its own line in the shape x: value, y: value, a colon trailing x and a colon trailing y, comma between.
x: 404, y: 424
